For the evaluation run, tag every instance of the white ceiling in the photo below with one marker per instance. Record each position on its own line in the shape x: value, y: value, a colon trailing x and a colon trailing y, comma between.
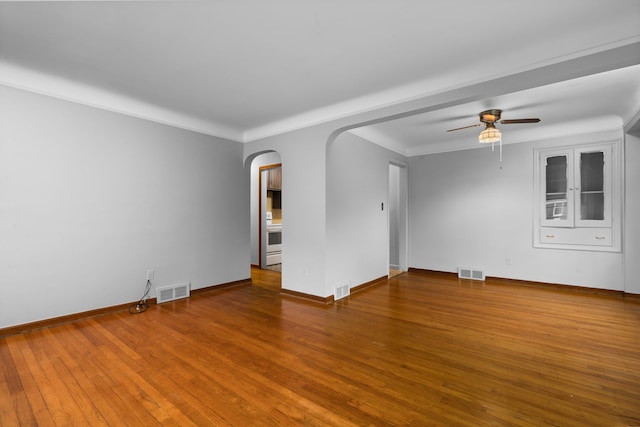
x: 245, y: 69
x: 595, y: 102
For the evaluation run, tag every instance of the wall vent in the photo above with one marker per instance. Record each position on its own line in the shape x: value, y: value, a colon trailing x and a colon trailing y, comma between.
x: 471, y: 273
x: 341, y: 291
x: 173, y: 292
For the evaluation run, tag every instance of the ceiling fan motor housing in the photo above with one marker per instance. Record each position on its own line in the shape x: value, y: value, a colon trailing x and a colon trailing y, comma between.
x: 490, y: 116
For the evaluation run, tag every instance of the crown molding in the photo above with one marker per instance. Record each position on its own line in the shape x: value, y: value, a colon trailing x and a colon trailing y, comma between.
x: 18, y: 77
x: 381, y: 105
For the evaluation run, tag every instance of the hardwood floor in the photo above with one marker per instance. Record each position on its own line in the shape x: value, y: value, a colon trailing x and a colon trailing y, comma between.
x: 423, y: 349
x: 394, y: 272
x: 267, y: 279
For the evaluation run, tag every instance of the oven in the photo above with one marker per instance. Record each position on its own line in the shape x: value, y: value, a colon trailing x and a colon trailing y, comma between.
x: 274, y: 244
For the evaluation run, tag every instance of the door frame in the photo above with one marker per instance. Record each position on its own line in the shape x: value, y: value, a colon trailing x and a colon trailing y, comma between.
x: 262, y: 208
x: 403, y: 215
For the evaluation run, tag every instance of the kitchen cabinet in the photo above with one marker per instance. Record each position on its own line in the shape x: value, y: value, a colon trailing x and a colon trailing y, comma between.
x: 274, y: 180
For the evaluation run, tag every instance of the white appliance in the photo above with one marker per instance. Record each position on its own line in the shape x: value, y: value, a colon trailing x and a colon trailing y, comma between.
x: 274, y: 244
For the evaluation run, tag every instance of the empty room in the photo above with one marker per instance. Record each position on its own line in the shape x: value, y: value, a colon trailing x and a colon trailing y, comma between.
x: 320, y: 213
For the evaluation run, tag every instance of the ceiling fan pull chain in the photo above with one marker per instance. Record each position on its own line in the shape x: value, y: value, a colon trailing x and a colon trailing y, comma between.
x: 493, y: 148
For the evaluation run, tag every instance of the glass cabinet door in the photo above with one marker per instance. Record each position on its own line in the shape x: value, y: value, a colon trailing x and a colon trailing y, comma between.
x: 556, y: 188
x: 577, y: 187
x: 592, y: 186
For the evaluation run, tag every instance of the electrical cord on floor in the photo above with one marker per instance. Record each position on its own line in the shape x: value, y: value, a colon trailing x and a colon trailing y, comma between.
x: 142, y: 305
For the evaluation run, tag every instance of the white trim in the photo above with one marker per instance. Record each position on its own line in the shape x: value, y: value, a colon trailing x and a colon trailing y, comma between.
x: 31, y: 81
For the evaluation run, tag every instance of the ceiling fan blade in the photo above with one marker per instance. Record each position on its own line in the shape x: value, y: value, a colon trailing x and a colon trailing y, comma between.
x: 512, y: 121
x: 466, y: 127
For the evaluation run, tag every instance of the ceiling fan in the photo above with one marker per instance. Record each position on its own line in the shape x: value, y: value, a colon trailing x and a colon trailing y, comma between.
x: 488, y: 119
x: 491, y: 134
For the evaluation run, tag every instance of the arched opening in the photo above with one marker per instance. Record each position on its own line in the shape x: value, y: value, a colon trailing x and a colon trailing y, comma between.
x: 266, y: 219
x: 366, y: 211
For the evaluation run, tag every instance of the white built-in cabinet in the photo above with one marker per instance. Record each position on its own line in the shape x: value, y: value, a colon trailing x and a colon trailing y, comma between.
x: 577, y: 197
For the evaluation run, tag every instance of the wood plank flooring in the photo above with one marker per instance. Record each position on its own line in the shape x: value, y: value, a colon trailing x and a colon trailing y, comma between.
x: 423, y: 349
x: 267, y: 279
x: 393, y: 272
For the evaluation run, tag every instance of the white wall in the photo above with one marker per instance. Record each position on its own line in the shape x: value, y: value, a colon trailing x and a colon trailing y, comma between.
x: 303, y: 208
x: 631, y: 244
x: 89, y: 200
x: 469, y: 210
x: 357, y: 227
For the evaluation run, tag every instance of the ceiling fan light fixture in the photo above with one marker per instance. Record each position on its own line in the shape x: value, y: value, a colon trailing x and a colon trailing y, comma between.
x: 490, y: 135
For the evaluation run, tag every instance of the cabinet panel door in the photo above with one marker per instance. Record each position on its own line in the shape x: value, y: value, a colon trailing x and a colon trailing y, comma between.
x: 275, y: 179
x: 557, y: 203
x: 593, y: 186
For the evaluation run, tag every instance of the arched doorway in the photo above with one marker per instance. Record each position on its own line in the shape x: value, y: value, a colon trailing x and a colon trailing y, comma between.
x: 270, y: 217
x: 266, y: 219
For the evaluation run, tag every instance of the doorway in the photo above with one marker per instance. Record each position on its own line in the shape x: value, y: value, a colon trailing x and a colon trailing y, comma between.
x: 397, y: 217
x: 260, y: 204
x: 270, y: 217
